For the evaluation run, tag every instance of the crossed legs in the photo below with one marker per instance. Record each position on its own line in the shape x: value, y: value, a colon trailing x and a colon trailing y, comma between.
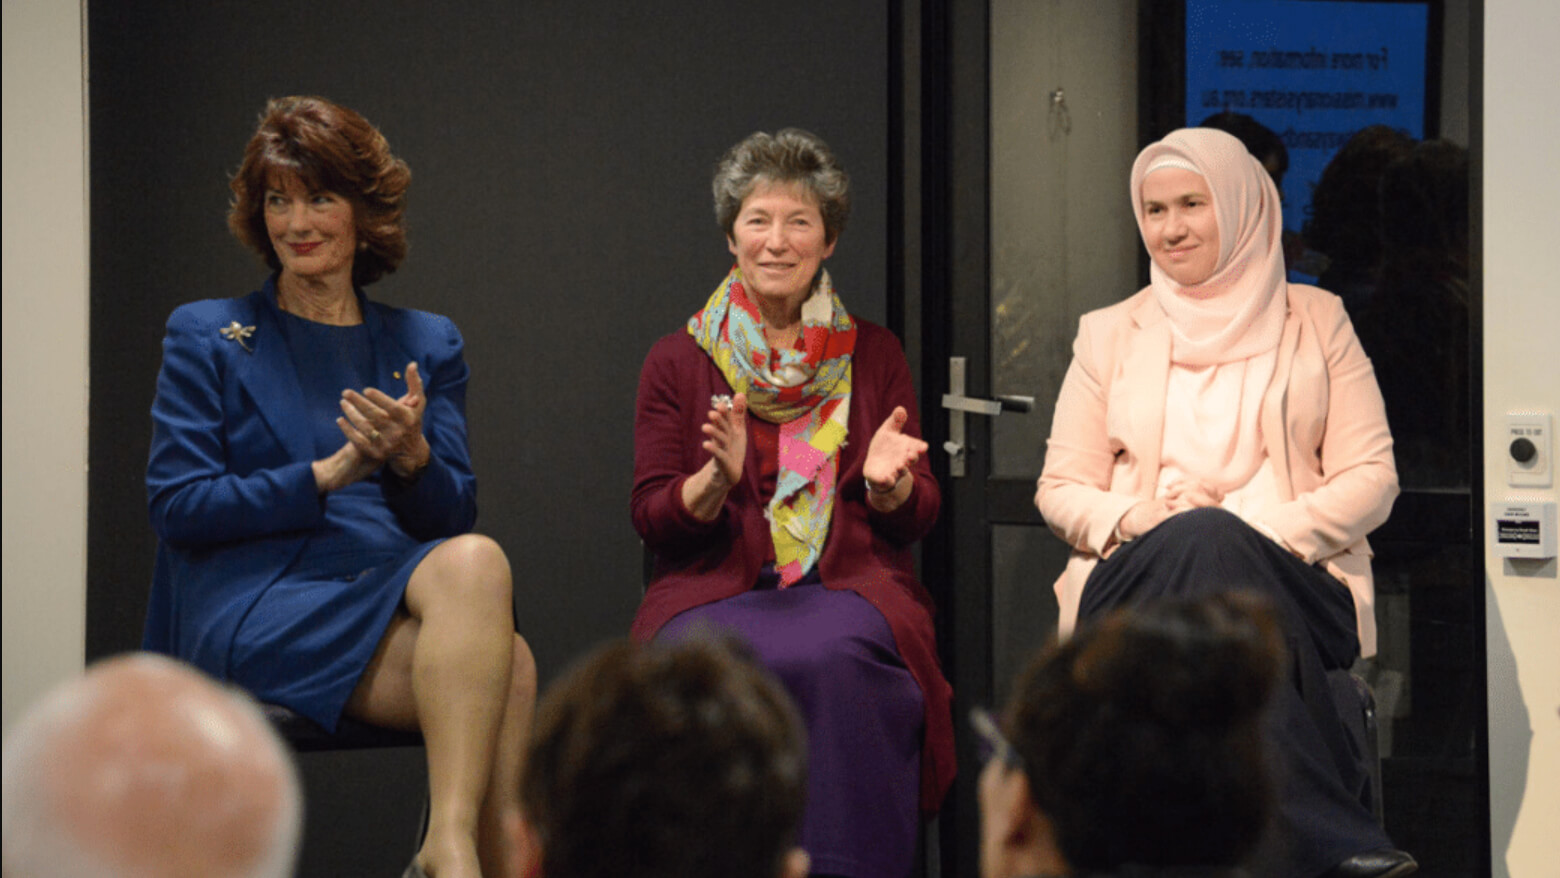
x: 1319, y: 817
x: 452, y: 666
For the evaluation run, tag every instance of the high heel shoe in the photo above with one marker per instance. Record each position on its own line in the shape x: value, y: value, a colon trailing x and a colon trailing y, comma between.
x: 1385, y: 863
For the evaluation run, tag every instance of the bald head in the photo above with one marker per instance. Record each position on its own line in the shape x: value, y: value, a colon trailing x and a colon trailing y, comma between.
x: 145, y: 767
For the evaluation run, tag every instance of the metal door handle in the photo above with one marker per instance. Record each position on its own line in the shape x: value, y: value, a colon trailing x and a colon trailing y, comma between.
x: 958, y: 405
x: 962, y: 403
x: 1012, y: 402
x: 990, y: 407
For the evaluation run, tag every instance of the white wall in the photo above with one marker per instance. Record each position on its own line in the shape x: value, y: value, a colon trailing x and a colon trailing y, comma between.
x: 1521, y: 371
x: 43, y: 562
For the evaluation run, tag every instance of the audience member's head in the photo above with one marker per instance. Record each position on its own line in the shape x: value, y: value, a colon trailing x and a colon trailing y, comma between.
x: 669, y: 761
x: 1135, y: 744
x: 1415, y: 327
x: 1424, y: 209
x: 1258, y: 139
x: 145, y: 767
x: 1345, y: 211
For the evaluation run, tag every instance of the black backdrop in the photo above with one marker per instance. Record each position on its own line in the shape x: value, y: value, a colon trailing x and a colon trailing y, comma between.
x: 560, y: 214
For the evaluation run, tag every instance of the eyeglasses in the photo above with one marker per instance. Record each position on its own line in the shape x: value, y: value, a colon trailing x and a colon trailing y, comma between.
x: 991, y: 743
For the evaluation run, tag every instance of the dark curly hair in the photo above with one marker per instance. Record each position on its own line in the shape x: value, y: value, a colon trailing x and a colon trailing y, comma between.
x: 330, y: 148
x: 1141, y: 735
x: 665, y: 761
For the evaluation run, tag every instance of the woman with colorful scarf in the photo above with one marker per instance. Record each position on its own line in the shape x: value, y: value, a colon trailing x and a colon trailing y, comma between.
x: 1219, y: 430
x: 780, y: 481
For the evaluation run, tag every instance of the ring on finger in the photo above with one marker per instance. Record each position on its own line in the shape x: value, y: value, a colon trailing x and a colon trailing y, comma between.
x: 373, y: 435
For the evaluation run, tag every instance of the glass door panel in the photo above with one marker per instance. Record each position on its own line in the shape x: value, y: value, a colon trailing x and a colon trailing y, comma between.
x: 1063, y: 239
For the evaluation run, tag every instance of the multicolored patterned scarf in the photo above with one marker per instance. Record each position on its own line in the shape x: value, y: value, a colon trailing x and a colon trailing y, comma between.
x: 807, y: 392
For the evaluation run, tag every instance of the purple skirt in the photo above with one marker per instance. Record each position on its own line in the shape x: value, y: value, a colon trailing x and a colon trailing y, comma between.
x: 863, y: 713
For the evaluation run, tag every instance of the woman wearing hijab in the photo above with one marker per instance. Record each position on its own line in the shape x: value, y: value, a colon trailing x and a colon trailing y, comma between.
x: 780, y: 480
x: 1222, y: 429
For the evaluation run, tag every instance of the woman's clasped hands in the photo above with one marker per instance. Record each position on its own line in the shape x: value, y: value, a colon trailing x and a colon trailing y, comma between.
x: 1180, y: 495
x: 380, y: 431
x: 1183, y: 494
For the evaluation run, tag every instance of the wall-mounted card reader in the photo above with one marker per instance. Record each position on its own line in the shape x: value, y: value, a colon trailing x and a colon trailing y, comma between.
x: 1523, y: 529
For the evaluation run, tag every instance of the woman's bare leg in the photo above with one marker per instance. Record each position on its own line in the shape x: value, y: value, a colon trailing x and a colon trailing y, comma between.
x: 496, y: 842
x: 445, y: 668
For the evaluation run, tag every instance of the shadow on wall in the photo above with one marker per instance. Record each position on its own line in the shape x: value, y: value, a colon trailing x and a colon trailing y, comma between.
x: 1510, y: 727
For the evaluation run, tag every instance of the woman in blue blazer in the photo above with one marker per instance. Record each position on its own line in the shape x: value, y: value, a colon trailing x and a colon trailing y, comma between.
x: 315, y: 542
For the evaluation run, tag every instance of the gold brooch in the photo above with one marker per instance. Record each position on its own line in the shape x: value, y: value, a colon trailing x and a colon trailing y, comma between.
x: 234, y: 332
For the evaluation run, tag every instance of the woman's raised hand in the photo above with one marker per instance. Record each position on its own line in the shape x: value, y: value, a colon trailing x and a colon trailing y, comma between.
x: 388, y: 430
x: 891, y: 455
x: 726, y: 440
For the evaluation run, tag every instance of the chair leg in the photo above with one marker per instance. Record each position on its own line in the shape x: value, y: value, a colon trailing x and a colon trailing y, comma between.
x: 1372, y: 746
x: 928, y: 850
x: 422, y: 824
x: 1357, y: 704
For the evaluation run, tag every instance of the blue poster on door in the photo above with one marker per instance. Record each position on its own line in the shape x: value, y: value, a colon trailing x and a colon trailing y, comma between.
x: 1313, y: 71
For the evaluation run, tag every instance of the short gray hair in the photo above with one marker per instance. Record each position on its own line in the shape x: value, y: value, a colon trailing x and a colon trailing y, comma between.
x: 790, y: 155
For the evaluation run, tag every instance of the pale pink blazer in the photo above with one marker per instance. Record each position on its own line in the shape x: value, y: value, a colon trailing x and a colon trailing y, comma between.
x: 1323, y: 425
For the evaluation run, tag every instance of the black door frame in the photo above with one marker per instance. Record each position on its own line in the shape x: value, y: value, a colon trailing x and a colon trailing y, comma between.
x: 955, y: 269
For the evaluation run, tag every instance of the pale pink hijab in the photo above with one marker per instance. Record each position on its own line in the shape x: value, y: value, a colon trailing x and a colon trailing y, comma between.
x: 1238, y: 312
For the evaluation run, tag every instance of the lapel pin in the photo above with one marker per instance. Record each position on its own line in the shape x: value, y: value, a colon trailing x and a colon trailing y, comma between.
x: 234, y: 332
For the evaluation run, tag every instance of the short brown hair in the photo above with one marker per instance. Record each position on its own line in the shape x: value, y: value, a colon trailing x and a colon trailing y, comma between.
x: 665, y: 761
x: 329, y: 148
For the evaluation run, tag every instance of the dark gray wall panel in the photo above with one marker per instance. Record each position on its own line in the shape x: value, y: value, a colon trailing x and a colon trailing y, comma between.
x: 560, y: 214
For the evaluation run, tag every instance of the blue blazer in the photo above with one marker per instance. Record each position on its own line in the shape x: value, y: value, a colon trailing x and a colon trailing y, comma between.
x: 230, y: 483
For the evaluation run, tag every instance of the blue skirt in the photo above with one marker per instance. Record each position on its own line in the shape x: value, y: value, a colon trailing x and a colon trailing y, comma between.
x: 310, y: 636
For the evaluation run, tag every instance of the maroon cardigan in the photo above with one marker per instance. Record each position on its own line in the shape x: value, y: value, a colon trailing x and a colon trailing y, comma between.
x: 868, y: 552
